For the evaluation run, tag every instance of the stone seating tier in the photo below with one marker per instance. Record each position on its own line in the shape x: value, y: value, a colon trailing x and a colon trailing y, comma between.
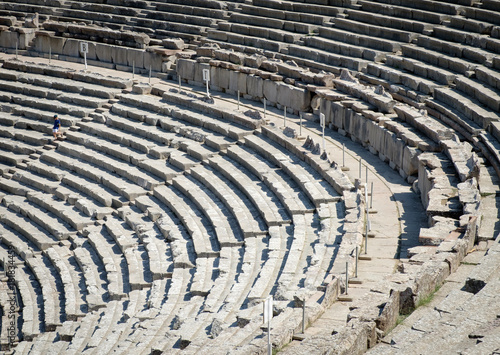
x: 389, y: 21
x: 403, y: 12
x: 427, y: 5
x: 190, y: 10
x: 296, y: 16
x: 121, y: 186
x: 270, y: 208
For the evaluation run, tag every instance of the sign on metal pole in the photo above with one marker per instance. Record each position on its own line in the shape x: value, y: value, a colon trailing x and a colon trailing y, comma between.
x: 268, y: 309
x: 84, y: 48
x: 322, y: 124
x: 206, y: 78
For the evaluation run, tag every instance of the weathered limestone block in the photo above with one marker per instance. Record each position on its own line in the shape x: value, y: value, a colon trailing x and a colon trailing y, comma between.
x: 270, y: 90
x: 118, y: 54
x: 151, y: 60
x: 410, y: 160
x: 255, y: 86
x: 173, y: 43
x: 44, y: 40
x: 290, y: 70
x: 254, y: 61
x: 463, y: 158
x: 367, y: 308
x: 341, y: 114
x: 219, y: 77
x: 135, y: 57
x: 376, y: 135
x: 439, y: 232
x: 186, y: 68
x: 431, y: 128
x: 237, y: 81
x: 355, y: 338
x: 8, y: 21
x: 484, y: 271
x: 293, y: 97
x: 429, y: 276
x: 469, y: 196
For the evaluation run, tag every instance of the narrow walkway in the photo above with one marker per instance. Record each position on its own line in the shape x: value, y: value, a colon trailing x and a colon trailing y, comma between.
x: 399, y: 213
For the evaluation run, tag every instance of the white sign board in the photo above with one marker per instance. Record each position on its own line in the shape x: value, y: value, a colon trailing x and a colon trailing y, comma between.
x: 84, y: 47
x: 206, y: 75
x: 322, y: 120
x: 268, y: 309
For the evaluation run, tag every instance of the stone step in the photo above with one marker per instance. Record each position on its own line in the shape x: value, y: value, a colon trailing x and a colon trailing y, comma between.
x: 159, y: 253
x: 111, y: 164
x: 235, y: 201
x: 207, y: 202
x: 117, y: 287
x: 203, y: 245
x: 171, y: 229
x: 58, y: 228
x: 271, y: 209
x: 65, y: 212
x: 93, y: 270
x: 377, y: 19
x: 25, y: 227
x: 54, y: 314
x: 403, y: 12
x: 31, y: 325
x: 75, y: 306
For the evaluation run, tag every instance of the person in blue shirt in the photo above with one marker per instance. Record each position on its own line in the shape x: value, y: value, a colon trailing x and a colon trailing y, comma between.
x: 57, y: 127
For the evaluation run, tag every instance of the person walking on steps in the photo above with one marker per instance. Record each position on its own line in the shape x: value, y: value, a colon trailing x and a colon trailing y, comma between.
x: 57, y: 127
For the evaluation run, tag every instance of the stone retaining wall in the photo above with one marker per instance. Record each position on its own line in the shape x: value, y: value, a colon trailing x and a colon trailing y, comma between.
x: 41, y: 42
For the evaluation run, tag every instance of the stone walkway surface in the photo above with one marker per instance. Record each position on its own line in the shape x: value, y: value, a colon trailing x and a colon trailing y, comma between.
x: 398, y: 212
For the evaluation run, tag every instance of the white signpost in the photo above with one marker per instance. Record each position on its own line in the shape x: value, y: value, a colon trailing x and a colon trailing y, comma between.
x: 84, y: 48
x: 322, y: 124
x: 268, y: 315
x: 206, y: 78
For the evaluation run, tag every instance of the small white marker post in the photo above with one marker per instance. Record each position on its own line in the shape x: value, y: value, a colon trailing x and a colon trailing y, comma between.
x: 322, y: 124
x: 367, y: 209
x: 284, y: 117
x: 366, y: 239
x: 206, y: 78
x: 179, y: 82
x: 371, y: 196
x: 304, y: 315
x: 149, y: 74
x: 300, y: 124
x: 346, y: 277
x: 16, y: 50
x: 133, y: 69
x: 356, y: 268
x: 84, y: 47
x: 268, y: 314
